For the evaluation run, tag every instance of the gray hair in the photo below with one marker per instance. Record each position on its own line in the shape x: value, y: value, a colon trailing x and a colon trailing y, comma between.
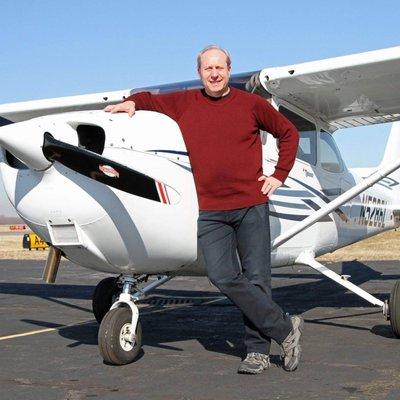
x: 213, y: 47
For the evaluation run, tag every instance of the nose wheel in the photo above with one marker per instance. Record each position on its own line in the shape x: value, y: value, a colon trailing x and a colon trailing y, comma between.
x: 118, y: 343
x: 120, y: 332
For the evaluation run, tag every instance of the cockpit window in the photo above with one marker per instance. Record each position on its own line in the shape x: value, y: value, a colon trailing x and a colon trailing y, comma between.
x: 329, y: 154
x: 307, y: 150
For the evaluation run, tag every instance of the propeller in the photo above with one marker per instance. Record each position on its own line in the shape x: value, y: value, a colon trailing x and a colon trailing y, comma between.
x: 101, y: 169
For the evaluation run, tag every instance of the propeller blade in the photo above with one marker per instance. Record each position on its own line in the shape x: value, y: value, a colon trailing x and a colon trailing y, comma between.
x: 100, y: 168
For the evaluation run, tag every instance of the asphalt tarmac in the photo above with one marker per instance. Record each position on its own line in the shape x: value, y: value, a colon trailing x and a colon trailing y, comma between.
x: 192, y: 339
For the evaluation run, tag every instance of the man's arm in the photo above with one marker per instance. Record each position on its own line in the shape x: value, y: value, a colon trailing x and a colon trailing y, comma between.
x: 170, y: 104
x: 282, y: 129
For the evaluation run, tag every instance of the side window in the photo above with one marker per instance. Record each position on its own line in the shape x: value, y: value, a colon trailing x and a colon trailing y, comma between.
x: 329, y: 153
x: 307, y: 150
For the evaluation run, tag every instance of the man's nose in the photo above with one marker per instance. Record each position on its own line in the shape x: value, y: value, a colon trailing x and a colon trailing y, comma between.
x: 214, y: 73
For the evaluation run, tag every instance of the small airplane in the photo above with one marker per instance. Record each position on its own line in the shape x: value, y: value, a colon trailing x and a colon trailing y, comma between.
x: 116, y: 194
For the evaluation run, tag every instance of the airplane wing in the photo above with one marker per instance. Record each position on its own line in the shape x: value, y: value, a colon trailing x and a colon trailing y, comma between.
x: 21, y: 111
x: 354, y: 90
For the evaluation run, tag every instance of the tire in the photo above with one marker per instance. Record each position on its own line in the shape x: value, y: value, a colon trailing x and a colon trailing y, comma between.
x: 109, y: 337
x: 394, y: 309
x: 103, y: 297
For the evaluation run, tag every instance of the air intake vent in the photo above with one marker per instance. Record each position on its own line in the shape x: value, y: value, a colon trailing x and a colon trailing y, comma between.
x: 91, y: 137
x: 13, y: 161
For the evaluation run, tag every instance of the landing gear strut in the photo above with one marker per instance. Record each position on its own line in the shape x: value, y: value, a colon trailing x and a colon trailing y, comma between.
x: 120, y: 332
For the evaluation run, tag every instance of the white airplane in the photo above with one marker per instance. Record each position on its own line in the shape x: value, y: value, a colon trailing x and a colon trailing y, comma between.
x: 116, y: 194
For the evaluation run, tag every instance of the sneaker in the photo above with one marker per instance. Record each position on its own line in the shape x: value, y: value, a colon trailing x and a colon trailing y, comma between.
x: 254, y: 363
x: 291, y: 349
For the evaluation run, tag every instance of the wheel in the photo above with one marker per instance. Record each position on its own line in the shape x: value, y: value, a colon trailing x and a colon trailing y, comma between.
x: 113, y: 344
x: 104, y: 296
x: 394, y: 309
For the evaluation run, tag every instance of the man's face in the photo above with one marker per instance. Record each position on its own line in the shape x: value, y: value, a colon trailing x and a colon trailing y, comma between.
x: 214, y: 72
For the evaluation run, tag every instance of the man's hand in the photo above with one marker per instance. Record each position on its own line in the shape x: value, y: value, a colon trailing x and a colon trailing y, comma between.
x: 126, y: 106
x: 270, y: 184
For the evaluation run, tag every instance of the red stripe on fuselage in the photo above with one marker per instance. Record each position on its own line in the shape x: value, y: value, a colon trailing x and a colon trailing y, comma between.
x: 161, y: 192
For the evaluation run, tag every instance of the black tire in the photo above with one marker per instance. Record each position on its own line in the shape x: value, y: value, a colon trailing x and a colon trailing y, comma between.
x: 109, y: 337
x: 394, y: 309
x: 103, y: 297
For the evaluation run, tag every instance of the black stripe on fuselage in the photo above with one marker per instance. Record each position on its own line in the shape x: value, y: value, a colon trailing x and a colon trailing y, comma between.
x: 181, y: 153
x: 316, y: 207
x: 341, y: 214
x: 311, y: 189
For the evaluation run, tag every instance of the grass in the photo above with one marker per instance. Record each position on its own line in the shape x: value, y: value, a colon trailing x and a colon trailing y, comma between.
x: 384, y: 246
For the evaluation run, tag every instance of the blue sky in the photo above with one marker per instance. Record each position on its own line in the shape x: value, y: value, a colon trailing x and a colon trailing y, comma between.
x: 61, y: 48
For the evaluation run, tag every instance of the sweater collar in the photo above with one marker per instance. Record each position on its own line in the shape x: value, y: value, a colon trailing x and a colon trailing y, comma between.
x: 218, y: 100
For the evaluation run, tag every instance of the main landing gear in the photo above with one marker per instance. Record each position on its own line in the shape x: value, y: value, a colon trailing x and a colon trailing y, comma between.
x: 120, y: 332
x: 391, y: 309
x: 394, y: 309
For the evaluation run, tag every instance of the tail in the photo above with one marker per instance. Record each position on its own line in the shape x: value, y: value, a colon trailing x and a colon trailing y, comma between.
x: 392, y: 150
x: 392, y: 153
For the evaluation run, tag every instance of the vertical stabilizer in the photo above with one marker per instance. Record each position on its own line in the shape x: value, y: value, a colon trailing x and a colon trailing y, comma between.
x: 392, y: 153
x: 392, y: 150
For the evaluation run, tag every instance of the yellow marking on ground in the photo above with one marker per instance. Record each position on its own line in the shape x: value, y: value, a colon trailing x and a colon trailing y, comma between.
x: 45, y: 330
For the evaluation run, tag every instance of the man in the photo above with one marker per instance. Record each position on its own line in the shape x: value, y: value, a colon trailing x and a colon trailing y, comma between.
x: 220, y: 126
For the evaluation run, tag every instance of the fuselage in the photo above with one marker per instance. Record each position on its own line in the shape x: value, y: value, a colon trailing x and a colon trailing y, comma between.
x: 105, y: 228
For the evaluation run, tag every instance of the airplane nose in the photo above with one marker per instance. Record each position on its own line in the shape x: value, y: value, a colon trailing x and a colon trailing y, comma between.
x: 24, y: 140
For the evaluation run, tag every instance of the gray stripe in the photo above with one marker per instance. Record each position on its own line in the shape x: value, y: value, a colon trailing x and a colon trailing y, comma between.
x: 332, y: 192
x: 292, y: 217
x: 293, y: 193
x: 288, y: 205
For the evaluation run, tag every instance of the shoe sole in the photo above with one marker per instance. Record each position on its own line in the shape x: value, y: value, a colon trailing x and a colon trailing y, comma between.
x: 251, y: 371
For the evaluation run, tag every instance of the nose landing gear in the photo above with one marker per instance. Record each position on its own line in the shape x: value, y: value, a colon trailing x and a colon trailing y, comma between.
x: 119, y: 342
x: 120, y: 332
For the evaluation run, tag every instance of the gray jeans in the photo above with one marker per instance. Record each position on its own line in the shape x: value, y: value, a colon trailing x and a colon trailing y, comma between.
x: 246, y: 281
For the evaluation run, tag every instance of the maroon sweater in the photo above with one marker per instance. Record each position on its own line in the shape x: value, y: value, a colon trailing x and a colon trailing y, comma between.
x: 221, y: 136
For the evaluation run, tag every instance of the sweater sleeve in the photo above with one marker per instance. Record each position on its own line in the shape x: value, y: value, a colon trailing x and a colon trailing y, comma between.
x: 171, y: 104
x: 281, y: 128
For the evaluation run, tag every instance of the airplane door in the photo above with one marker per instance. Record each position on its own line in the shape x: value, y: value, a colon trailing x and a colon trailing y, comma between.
x: 331, y: 166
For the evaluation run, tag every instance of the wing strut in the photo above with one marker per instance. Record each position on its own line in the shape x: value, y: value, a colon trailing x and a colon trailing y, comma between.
x: 334, y: 204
